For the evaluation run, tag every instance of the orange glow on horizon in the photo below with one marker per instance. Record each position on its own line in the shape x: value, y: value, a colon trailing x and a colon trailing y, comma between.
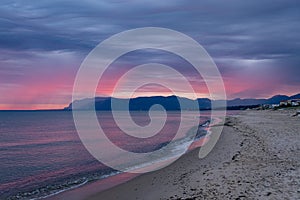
x: 54, y: 91
x: 32, y: 106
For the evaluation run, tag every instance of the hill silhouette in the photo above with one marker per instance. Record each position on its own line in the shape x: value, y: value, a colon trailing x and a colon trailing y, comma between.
x: 169, y: 103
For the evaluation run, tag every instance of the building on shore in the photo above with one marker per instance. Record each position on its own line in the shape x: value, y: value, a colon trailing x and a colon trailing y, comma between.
x: 291, y: 102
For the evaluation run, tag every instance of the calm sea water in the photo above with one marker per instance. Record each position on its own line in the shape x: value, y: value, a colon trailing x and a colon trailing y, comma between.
x: 41, y: 152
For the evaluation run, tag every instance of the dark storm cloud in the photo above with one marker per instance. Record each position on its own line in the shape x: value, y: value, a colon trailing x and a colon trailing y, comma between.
x: 235, y: 28
x: 237, y: 34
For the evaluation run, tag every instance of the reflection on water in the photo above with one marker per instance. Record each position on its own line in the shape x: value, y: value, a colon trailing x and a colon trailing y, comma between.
x: 41, y: 151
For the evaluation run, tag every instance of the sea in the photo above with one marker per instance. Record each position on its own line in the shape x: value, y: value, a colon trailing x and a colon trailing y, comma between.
x: 42, y: 154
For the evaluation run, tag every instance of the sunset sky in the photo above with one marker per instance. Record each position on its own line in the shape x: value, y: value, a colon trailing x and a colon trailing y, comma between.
x: 255, y: 44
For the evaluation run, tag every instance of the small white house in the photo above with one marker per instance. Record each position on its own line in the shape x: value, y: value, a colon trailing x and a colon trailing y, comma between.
x: 291, y: 102
x: 295, y: 102
x: 275, y: 105
x: 283, y: 103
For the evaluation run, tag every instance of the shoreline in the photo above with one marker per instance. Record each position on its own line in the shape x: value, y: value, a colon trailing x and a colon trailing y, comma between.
x: 85, y: 189
x: 252, y: 160
x: 92, y: 188
x: 51, y: 191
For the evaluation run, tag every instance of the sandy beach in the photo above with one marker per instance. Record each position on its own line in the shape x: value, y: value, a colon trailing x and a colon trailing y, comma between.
x: 257, y: 157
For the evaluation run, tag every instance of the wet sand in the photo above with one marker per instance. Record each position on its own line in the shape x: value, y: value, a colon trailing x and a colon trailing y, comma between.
x: 257, y: 157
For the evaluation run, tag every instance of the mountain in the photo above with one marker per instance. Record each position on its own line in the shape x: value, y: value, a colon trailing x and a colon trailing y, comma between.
x: 297, y: 96
x: 276, y: 99
x: 139, y: 103
x: 169, y: 103
x: 245, y: 102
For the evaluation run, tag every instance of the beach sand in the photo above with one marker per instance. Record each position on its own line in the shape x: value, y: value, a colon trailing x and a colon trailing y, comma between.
x: 256, y: 157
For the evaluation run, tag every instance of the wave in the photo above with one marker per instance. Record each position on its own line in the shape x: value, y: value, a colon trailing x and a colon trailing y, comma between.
x: 60, y: 191
x: 54, y: 189
x: 51, y: 190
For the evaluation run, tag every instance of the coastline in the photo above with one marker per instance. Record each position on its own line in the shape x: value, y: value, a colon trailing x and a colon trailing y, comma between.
x: 257, y: 157
x: 93, y: 175
x: 87, y: 188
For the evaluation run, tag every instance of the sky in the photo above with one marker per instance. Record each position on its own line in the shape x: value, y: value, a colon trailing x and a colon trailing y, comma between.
x: 255, y: 44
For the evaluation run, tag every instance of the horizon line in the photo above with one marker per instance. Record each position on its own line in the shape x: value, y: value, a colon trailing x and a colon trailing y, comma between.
x: 63, y: 109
